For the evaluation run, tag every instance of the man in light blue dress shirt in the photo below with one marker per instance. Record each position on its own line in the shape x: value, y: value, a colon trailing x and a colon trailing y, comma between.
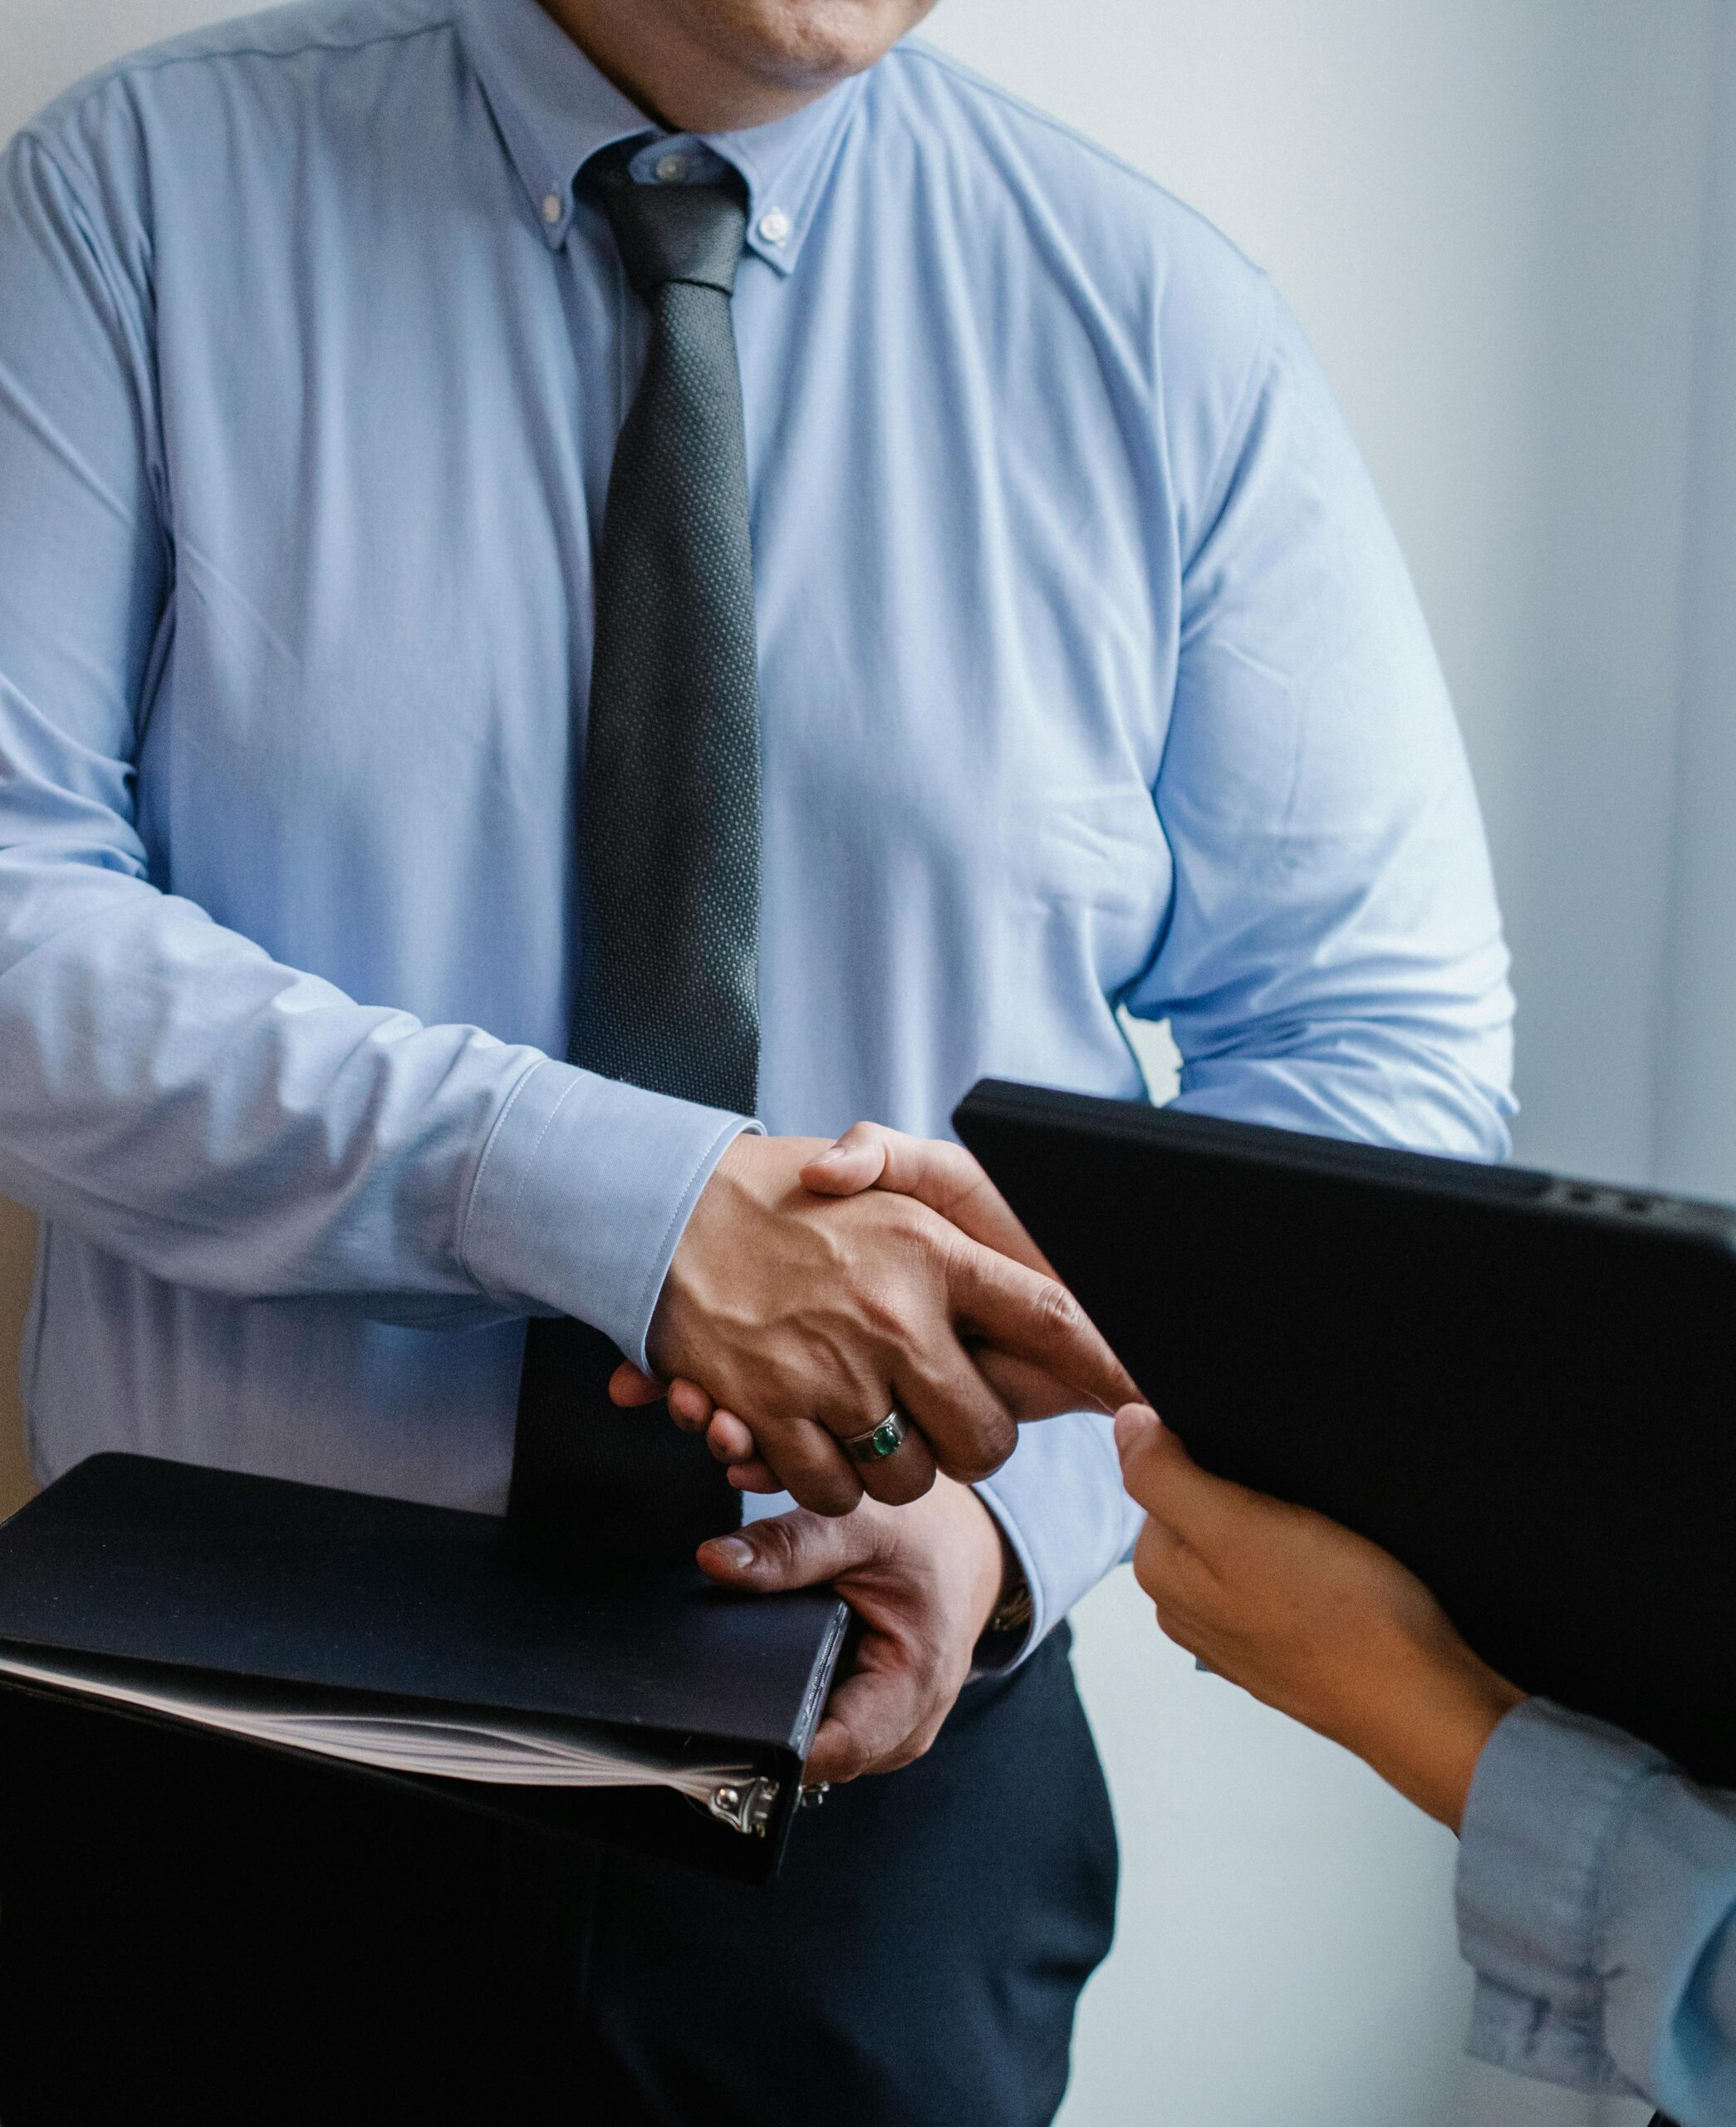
x: 1091, y: 678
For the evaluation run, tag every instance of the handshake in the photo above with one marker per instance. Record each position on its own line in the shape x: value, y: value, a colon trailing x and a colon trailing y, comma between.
x: 821, y: 1291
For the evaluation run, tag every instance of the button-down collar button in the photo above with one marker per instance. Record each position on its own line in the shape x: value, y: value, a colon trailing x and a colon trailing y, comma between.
x: 670, y: 169
x: 551, y: 207
x: 774, y: 227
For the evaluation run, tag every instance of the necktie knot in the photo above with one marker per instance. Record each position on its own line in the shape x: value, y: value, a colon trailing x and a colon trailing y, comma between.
x: 665, y: 232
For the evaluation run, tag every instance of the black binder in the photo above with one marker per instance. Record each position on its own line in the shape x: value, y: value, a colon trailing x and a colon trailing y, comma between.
x: 1524, y: 1386
x: 423, y: 1646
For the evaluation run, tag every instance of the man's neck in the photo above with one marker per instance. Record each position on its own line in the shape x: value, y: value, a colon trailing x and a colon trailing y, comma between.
x: 678, y: 77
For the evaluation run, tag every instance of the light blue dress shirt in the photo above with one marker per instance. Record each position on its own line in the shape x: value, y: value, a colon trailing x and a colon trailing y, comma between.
x: 1091, y: 675
x: 1598, y: 1903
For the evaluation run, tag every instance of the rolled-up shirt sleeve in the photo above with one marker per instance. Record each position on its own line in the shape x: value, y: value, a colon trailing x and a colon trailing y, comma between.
x: 167, y: 1089
x: 1596, y: 1897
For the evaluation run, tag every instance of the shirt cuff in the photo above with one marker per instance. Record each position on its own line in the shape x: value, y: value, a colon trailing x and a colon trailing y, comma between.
x: 1066, y: 1517
x: 584, y: 1189
x: 1668, y: 1949
x: 1546, y: 1802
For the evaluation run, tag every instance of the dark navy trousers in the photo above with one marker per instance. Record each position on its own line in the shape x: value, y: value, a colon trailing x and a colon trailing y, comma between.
x: 234, y: 1952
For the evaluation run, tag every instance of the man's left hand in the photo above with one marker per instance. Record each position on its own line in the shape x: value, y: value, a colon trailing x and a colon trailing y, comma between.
x: 923, y: 1580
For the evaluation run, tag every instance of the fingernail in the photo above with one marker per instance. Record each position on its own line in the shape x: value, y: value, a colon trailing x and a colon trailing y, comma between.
x: 1132, y: 1419
x: 732, y: 1550
x: 824, y: 1159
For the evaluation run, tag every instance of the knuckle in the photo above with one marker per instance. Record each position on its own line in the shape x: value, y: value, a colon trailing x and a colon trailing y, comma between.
x: 1153, y: 1566
x: 917, y: 1745
x: 927, y: 1238
x: 974, y: 1467
x: 833, y: 1493
x: 1177, y: 1625
x: 886, y: 1310
x: 904, y: 1487
x: 1057, y: 1311
x: 985, y: 1450
x: 853, y: 1761
x: 775, y: 1542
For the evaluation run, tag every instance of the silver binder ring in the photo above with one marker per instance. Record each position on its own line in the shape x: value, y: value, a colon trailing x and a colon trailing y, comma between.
x: 880, y: 1441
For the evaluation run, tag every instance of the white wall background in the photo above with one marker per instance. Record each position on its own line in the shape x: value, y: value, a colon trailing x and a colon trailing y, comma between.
x: 1503, y: 222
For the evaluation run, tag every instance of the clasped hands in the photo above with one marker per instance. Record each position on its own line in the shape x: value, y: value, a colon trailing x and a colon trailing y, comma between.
x: 818, y: 1286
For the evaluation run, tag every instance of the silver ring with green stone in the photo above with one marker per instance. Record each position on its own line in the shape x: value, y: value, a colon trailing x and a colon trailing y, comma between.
x: 880, y: 1441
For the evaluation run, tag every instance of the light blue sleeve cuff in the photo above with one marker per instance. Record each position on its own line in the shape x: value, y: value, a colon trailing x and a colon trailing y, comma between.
x: 1667, y: 1953
x: 583, y: 1191
x: 1545, y: 1804
x: 1061, y: 1506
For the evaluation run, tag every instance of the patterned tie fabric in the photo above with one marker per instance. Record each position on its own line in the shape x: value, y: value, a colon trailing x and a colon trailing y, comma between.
x: 669, y: 841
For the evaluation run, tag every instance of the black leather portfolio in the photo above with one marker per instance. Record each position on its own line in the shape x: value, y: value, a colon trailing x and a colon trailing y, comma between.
x: 1523, y: 1385
x: 421, y: 1645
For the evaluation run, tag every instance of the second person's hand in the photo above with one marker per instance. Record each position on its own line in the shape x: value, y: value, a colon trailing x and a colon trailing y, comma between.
x: 1311, y: 1619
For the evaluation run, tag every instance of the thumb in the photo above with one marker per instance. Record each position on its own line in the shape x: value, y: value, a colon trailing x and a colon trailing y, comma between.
x: 934, y: 1171
x: 789, y: 1550
x: 1136, y: 1424
x: 855, y: 1163
x: 630, y: 1388
x: 1165, y: 1480
x: 1151, y: 1457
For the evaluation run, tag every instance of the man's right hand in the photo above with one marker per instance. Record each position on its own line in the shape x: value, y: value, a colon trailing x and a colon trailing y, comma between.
x: 811, y: 1316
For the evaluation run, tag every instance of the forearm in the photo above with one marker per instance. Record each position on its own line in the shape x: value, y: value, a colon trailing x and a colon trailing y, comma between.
x: 177, y: 1096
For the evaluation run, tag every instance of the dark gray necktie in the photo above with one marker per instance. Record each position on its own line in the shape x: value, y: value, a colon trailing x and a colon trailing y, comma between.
x: 666, y: 991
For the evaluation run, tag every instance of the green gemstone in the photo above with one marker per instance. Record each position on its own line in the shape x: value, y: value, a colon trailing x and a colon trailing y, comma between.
x: 887, y: 1439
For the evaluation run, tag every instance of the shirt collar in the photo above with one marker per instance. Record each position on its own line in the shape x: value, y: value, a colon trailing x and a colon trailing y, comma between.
x: 554, y: 109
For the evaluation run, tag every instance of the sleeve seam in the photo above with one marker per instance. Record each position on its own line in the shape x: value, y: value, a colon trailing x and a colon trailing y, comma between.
x: 1216, y: 492
x: 131, y: 348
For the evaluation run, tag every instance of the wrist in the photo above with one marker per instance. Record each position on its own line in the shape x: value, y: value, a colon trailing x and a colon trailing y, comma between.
x: 709, y: 1233
x: 724, y: 1231
x: 1432, y: 1728
x: 1001, y: 1611
x: 971, y: 1534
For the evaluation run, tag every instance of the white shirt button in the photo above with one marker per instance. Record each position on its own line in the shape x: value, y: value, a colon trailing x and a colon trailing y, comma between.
x: 774, y: 227
x: 670, y: 169
x: 551, y: 207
